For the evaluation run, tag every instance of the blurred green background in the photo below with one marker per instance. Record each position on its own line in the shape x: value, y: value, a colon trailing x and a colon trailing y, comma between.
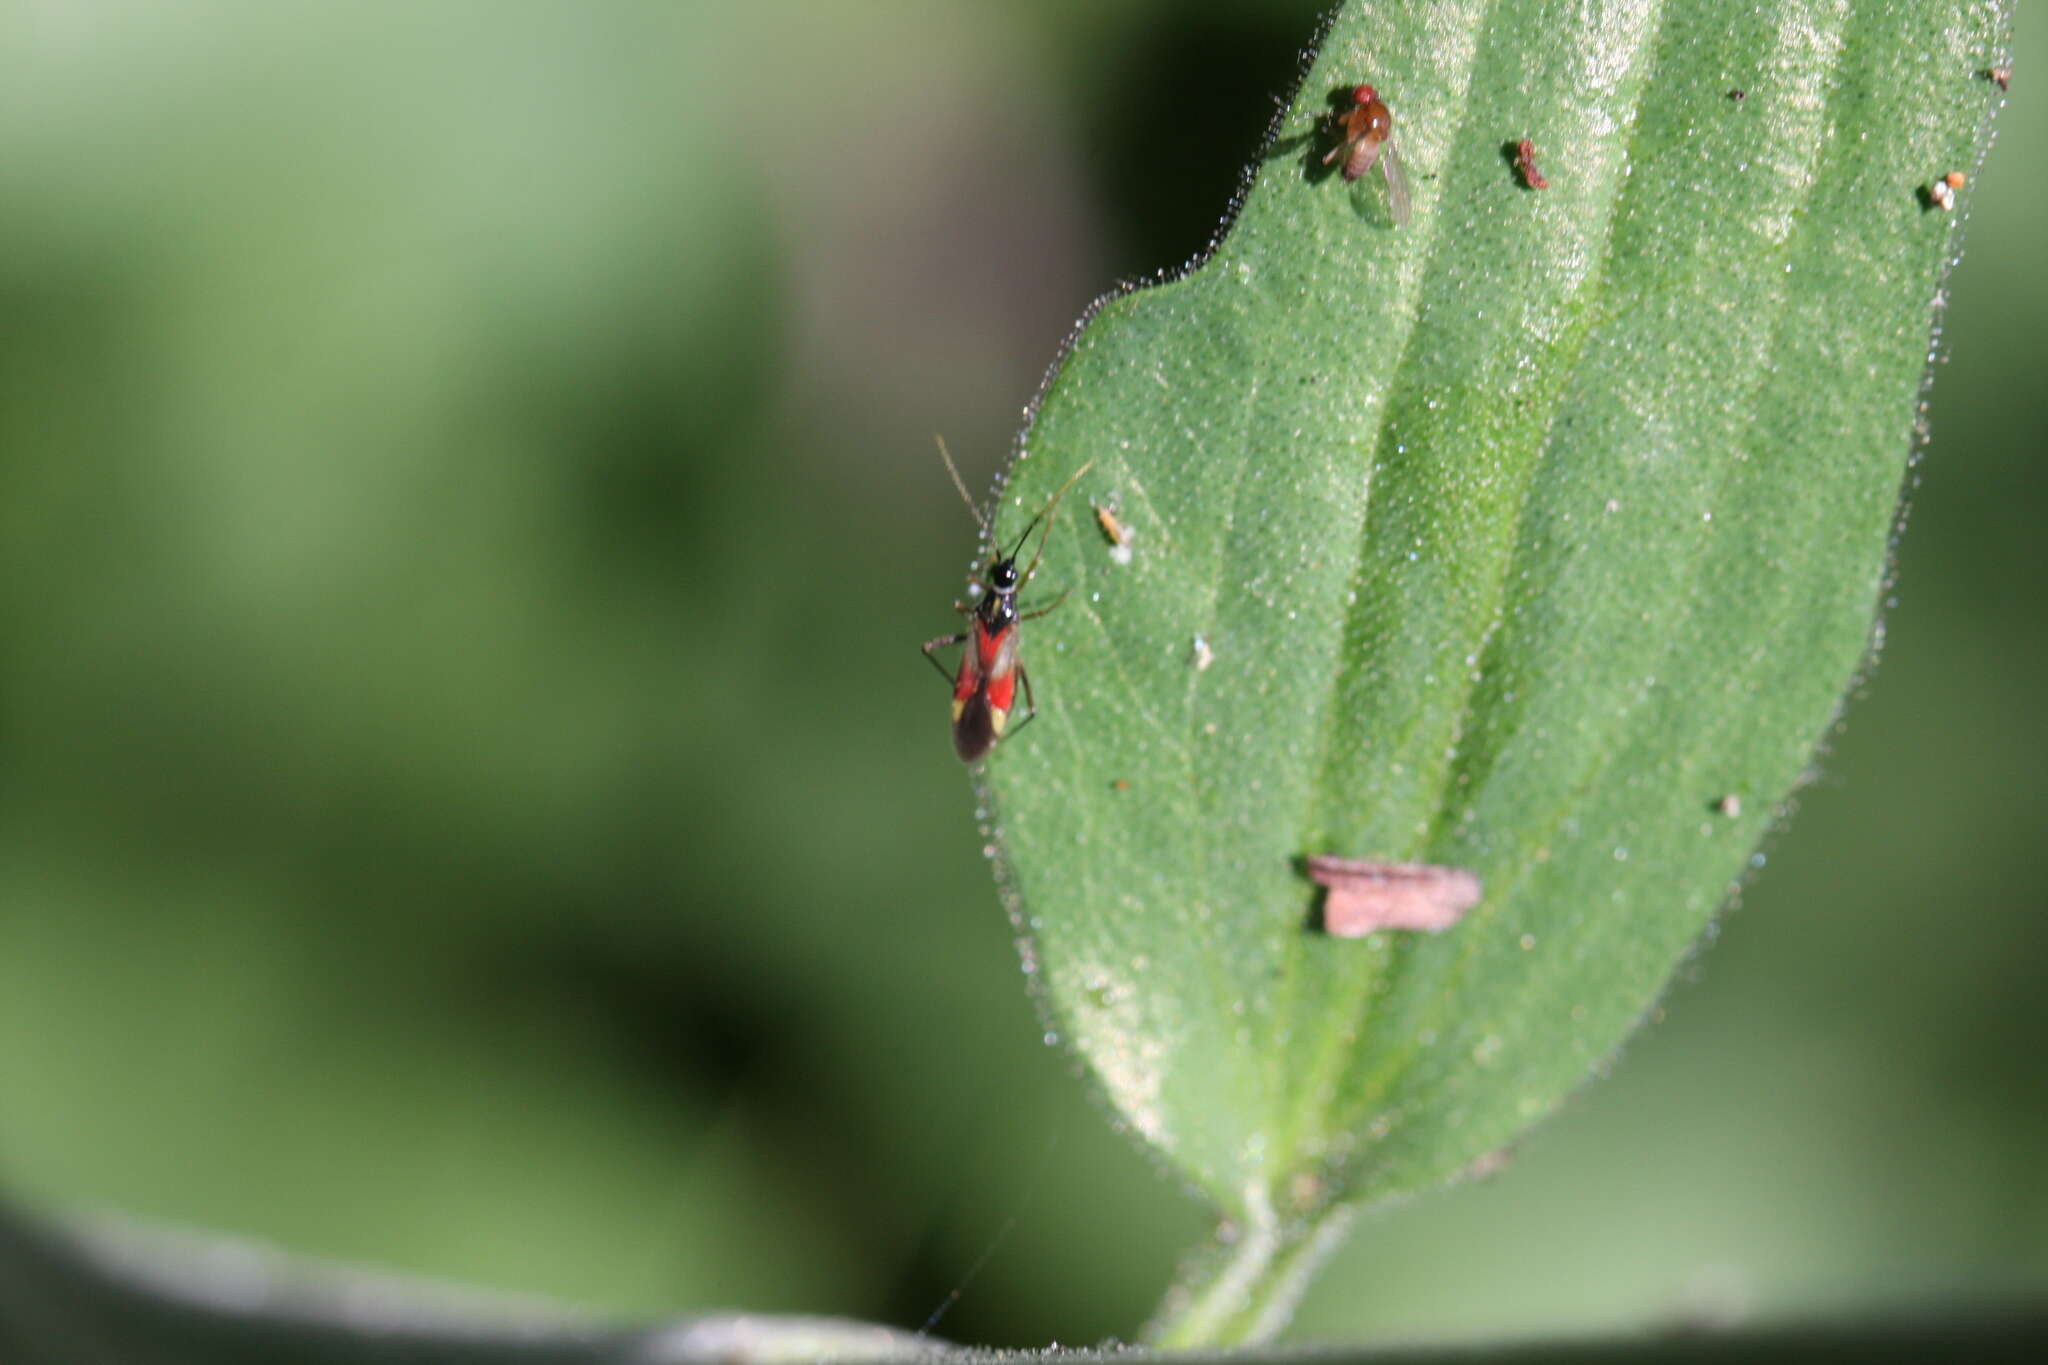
x: 469, y: 798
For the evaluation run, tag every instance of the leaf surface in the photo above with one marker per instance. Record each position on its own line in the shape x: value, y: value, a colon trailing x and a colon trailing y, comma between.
x: 1514, y: 539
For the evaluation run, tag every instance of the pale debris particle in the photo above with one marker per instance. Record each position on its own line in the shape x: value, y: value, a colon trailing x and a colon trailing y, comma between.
x: 1363, y: 896
x: 1729, y: 805
x: 1203, y: 655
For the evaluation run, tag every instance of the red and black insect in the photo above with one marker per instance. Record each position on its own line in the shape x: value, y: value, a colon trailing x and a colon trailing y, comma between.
x: 1367, y: 129
x: 985, y: 686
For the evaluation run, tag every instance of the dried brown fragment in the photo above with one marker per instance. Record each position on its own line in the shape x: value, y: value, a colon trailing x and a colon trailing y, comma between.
x: 1115, y: 532
x: 1363, y: 896
x: 1525, y: 165
x: 2000, y: 76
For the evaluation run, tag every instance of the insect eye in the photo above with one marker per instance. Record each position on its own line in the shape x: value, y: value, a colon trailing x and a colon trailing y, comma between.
x: 1364, y: 94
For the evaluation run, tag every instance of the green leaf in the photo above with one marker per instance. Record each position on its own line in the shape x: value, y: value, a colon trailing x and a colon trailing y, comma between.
x: 1517, y: 538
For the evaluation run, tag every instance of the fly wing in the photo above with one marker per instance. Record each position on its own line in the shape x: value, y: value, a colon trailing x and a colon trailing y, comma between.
x: 1397, y: 183
x: 1361, y: 151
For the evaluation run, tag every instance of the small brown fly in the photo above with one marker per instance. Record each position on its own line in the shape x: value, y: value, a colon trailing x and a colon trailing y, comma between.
x: 1367, y: 129
x: 1363, y: 896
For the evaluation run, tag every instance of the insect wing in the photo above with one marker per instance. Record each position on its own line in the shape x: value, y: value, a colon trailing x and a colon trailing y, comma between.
x: 999, y: 669
x: 1397, y: 183
x: 968, y: 677
x: 984, y: 691
x: 974, y: 727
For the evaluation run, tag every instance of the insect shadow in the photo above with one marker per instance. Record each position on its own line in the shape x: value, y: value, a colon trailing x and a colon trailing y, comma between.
x: 1314, y: 144
x: 1312, y: 917
x: 1511, y: 152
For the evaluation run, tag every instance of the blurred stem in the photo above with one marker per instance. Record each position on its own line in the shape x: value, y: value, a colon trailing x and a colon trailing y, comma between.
x: 1244, y: 1287
x: 106, y: 1292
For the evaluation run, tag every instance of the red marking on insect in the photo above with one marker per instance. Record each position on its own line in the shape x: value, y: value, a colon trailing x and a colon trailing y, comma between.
x: 985, y: 684
x: 1367, y: 129
x: 1364, y: 896
x: 1525, y: 165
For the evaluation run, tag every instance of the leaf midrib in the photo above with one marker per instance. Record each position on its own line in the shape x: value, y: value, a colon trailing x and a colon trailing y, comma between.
x: 1399, y: 1062
x: 1357, y: 995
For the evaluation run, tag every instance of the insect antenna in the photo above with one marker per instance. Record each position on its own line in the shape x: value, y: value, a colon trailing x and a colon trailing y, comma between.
x: 1044, y: 513
x: 961, y: 484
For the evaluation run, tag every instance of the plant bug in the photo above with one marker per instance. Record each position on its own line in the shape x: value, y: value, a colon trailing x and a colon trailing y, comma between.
x: 1366, y: 129
x: 985, y: 686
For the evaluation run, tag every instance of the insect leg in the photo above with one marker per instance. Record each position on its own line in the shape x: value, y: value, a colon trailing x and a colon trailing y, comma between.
x: 1034, y: 615
x: 1030, y: 702
x: 942, y: 642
